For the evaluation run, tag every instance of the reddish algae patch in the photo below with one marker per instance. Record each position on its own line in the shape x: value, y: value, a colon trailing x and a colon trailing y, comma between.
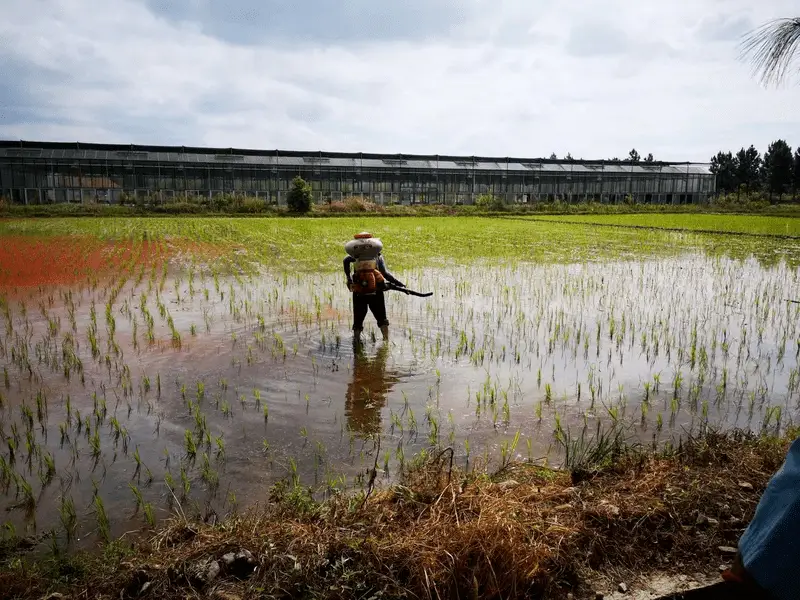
x: 27, y: 261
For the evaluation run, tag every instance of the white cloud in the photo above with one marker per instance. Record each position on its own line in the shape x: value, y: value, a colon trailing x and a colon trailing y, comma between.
x: 512, y: 77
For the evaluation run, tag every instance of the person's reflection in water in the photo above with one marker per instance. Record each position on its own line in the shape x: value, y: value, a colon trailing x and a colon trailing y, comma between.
x: 369, y: 386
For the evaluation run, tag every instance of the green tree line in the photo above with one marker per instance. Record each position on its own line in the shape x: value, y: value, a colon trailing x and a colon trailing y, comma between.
x: 776, y: 172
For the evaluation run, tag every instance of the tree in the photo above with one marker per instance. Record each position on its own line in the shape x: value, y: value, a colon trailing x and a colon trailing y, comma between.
x: 778, y: 168
x: 634, y: 156
x: 771, y: 48
x: 300, y: 196
x: 650, y: 158
x: 568, y: 157
x: 553, y: 156
x: 796, y: 172
x: 724, y: 166
x: 748, y: 168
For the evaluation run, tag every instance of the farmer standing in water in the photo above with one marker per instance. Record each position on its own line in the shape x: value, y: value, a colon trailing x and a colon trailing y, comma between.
x: 368, y: 281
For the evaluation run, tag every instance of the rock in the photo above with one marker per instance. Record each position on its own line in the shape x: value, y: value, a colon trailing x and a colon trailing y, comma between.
x: 745, y: 486
x: 245, y: 554
x: 204, y: 572
x: 613, y: 509
x: 212, y: 571
x: 727, y: 550
x: 220, y: 595
x: 509, y: 484
x: 623, y: 588
x: 704, y: 521
x: 241, y: 564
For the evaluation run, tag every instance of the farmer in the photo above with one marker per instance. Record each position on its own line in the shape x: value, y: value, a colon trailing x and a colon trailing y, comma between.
x: 367, y: 281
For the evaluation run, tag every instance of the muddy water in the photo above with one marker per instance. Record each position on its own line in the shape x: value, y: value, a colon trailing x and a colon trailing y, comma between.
x: 267, y: 384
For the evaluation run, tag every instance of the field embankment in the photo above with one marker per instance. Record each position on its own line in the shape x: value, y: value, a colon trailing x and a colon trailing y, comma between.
x: 522, y: 531
x: 231, y: 205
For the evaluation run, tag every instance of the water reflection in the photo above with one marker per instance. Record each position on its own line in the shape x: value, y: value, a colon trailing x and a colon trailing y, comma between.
x: 369, y: 386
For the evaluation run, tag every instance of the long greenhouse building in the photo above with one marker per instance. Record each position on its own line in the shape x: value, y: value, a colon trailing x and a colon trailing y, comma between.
x: 52, y: 172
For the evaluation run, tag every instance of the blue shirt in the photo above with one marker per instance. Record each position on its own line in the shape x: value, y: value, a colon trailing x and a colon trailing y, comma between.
x: 770, y: 546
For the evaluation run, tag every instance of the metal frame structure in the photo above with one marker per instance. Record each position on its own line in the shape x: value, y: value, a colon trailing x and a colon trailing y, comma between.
x: 51, y: 172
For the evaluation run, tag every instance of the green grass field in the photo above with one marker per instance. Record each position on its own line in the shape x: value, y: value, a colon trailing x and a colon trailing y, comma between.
x: 317, y: 244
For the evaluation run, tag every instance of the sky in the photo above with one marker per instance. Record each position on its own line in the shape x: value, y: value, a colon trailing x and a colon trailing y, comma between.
x: 521, y: 78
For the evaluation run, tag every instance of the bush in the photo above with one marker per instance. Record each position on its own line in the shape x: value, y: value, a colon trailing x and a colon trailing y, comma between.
x: 359, y: 204
x: 251, y: 205
x: 489, y: 202
x: 300, y: 196
x: 741, y: 201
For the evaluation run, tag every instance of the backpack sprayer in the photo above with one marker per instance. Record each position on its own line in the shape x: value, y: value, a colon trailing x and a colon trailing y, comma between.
x: 367, y: 278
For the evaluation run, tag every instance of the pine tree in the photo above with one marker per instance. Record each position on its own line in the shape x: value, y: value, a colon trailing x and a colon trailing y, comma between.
x: 724, y: 166
x: 748, y: 168
x: 778, y: 168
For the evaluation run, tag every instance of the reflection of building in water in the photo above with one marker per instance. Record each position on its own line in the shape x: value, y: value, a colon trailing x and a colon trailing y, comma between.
x: 369, y: 386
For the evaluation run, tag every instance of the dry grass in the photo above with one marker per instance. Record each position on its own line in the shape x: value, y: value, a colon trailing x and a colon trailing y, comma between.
x: 525, y: 532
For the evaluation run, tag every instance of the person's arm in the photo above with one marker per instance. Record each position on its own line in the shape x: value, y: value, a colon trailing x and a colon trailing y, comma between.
x: 348, y: 260
x: 385, y: 272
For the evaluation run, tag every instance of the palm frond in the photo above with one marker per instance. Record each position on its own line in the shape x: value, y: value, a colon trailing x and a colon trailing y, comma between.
x: 771, y: 49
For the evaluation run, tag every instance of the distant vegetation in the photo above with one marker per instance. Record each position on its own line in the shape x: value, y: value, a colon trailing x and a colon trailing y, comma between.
x: 775, y: 174
x: 747, y: 201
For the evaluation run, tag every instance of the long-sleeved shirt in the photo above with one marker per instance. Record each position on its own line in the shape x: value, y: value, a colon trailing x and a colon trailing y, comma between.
x: 770, y: 546
x: 381, y: 266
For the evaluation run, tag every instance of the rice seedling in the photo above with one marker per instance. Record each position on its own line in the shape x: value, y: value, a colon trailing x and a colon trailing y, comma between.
x: 68, y: 516
x: 103, y: 523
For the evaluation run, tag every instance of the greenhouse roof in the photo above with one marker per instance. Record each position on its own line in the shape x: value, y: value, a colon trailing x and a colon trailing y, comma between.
x: 282, y: 159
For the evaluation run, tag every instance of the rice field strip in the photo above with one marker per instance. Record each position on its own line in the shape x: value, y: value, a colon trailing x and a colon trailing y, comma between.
x: 599, y: 223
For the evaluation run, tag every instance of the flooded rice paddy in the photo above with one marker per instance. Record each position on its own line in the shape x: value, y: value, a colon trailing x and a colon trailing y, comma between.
x: 170, y: 384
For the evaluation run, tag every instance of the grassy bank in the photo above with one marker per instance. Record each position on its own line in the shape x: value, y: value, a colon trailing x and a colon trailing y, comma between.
x: 441, y: 532
x: 244, y: 206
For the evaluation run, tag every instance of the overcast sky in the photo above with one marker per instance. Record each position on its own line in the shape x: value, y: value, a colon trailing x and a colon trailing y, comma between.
x: 476, y: 77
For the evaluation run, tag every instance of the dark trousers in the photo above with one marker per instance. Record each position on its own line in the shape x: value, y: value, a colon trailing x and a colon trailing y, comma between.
x: 373, y: 302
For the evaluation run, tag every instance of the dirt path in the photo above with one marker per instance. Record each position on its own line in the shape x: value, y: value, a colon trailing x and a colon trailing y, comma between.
x: 655, y: 587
